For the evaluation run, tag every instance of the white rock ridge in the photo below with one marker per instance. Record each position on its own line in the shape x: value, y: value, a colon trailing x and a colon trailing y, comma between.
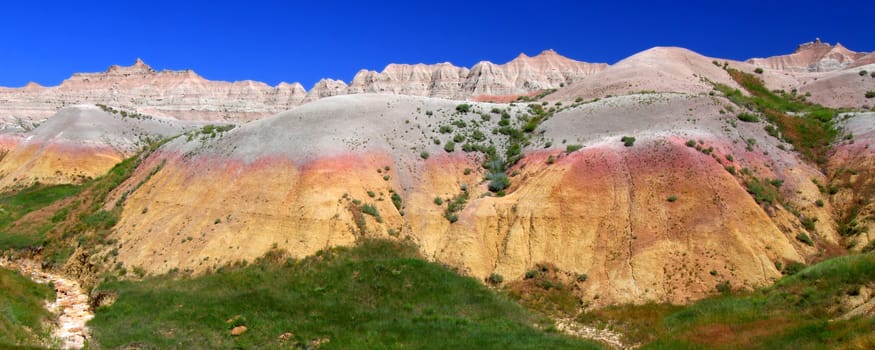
x: 816, y: 56
x: 187, y: 96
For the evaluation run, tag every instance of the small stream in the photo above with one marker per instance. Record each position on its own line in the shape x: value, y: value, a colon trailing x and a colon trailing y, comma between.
x: 71, y: 304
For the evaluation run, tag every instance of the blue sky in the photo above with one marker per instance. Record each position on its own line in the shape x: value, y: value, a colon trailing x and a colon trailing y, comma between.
x: 273, y: 41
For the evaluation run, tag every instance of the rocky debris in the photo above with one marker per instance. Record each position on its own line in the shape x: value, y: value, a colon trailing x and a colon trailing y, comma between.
x: 859, y: 302
x: 71, y: 304
x: 611, y: 338
x: 237, y: 331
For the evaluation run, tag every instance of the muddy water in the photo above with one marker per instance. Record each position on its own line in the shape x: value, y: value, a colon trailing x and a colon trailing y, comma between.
x: 71, y: 304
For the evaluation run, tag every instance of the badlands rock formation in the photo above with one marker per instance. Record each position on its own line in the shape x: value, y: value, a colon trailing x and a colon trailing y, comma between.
x: 815, y: 56
x: 178, y: 94
x: 520, y: 76
x: 187, y: 96
x: 292, y: 181
x: 301, y: 179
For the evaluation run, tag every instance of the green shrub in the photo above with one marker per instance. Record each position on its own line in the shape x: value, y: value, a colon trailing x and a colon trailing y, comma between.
x: 870, y: 94
x: 467, y: 171
x: 495, y: 278
x: 724, y: 287
x: 445, y: 129
x: 748, y: 118
x: 691, y: 143
x: 802, y: 237
x: 551, y: 159
x: 863, y: 73
x: 758, y: 70
x: 793, y: 268
x: 819, y: 203
x: 498, y: 182
x: 672, y: 198
x: 450, y: 146
x: 463, y: 108
x: 423, y: 155
x: 438, y: 201
x: 371, y: 210
x: 628, y: 141
x: 572, y: 148
x: 808, y: 222
x: 582, y: 277
x: 396, y: 200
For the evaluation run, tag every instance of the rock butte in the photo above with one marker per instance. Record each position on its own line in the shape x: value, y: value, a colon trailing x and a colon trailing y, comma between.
x: 288, y: 180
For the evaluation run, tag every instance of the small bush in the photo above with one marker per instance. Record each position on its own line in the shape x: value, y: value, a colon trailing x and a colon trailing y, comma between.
x: 724, y: 287
x: 573, y: 148
x: 551, y: 159
x: 397, y: 201
x: 438, y: 201
x: 808, y: 223
x: 691, y: 143
x: 445, y: 129
x: 671, y: 199
x: 758, y: 70
x: 582, y: 277
x: 450, y: 146
x: 793, y: 268
x: 371, y: 210
x: 870, y: 94
x: 495, y: 278
x: 463, y: 108
x: 498, y: 182
x: 748, y: 118
x: 819, y: 203
x: 423, y: 155
x: 863, y: 73
x: 802, y: 237
x: 628, y: 141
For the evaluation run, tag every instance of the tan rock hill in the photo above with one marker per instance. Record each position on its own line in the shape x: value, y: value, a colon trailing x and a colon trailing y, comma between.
x: 816, y: 56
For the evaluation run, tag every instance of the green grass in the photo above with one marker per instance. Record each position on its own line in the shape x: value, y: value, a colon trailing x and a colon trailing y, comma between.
x: 15, y: 205
x: 22, y: 313
x: 792, y: 314
x: 379, y: 295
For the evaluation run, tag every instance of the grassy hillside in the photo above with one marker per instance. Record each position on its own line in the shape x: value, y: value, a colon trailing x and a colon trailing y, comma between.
x: 22, y: 311
x: 802, y: 311
x: 378, y: 295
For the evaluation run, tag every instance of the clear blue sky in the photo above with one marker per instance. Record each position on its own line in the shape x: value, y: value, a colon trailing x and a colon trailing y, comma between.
x: 273, y: 41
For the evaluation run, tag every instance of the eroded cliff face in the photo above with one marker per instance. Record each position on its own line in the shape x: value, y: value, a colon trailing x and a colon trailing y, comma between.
x: 185, y: 95
x: 603, y: 210
x: 177, y: 94
x: 814, y: 56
